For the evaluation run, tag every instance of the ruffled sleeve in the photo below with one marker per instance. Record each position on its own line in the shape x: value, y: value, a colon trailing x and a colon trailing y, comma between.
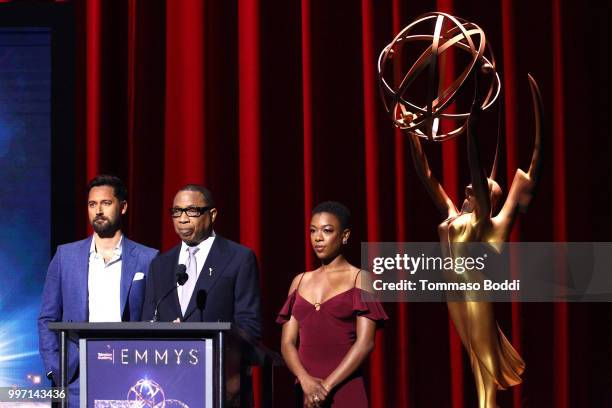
x: 364, y: 304
x: 285, y: 313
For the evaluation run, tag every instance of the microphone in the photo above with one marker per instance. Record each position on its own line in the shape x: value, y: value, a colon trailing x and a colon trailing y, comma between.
x: 181, y: 277
x: 181, y: 274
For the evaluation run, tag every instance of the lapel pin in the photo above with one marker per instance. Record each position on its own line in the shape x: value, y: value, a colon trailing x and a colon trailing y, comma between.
x: 209, y: 271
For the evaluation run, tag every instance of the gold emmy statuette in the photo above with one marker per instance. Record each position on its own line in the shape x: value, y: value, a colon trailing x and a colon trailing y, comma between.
x: 482, y: 216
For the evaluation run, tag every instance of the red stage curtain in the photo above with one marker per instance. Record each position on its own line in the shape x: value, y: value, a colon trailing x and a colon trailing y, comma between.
x: 450, y: 180
x: 274, y: 106
x: 403, y: 310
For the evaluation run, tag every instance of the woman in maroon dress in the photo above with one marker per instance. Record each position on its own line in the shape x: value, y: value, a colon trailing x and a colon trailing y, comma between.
x: 327, y: 316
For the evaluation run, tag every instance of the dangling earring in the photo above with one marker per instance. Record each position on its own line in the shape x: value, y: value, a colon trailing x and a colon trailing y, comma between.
x: 344, y: 241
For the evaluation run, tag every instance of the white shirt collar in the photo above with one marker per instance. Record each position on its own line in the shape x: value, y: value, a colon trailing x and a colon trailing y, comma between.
x: 204, y: 245
x: 117, y: 250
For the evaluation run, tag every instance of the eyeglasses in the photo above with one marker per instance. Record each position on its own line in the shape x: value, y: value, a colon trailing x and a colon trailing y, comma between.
x: 177, y: 212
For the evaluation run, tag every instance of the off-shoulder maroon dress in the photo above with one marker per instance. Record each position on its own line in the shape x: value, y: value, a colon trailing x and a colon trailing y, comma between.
x: 325, y: 336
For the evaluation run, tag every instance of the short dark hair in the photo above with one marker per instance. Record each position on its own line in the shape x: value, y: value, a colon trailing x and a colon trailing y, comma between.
x: 338, y: 209
x: 111, y: 181
x: 208, y: 196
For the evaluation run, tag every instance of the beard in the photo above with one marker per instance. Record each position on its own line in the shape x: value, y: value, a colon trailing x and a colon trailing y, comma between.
x: 107, y: 227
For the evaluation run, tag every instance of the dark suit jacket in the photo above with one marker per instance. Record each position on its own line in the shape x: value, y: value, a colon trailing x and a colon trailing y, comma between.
x: 229, y: 294
x: 65, y: 294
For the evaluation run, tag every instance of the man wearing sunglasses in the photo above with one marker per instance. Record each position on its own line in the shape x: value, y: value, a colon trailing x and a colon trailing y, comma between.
x: 222, y: 276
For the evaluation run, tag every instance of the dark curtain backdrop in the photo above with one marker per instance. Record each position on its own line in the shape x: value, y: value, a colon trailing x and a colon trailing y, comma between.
x: 274, y: 106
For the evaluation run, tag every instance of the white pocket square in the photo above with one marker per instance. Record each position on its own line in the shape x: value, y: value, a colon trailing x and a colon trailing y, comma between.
x: 138, y: 276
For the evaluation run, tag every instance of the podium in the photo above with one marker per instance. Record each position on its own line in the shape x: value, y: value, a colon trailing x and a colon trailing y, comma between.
x: 192, y: 356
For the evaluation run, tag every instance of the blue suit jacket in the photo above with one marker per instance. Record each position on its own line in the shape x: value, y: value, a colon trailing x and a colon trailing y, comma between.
x: 229, y: 294
x: 65, y: 295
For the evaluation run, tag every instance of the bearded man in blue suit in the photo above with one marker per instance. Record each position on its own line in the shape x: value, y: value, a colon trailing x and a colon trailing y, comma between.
x: 99, y: 279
